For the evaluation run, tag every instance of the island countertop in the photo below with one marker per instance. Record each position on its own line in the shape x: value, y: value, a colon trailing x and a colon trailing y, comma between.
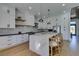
x: 45, y: 34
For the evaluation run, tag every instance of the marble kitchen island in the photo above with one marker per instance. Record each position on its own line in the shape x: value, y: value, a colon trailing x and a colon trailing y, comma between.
x: 39, y: 42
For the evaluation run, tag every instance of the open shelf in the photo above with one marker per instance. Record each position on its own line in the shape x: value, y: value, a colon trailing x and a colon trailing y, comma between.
x: 20, y: 20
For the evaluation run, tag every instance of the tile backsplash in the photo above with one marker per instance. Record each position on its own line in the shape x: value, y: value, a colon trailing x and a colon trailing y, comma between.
x: 16, y: 30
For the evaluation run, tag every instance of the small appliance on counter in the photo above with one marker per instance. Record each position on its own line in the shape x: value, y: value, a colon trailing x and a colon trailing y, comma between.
x: 19, y: 32
x: 50, y: 30
x: 31, y: 33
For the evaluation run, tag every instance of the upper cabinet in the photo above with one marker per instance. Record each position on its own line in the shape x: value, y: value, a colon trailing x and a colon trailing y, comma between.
x: 7, y: 17
x: 10, y: 16
x: 23, y: 17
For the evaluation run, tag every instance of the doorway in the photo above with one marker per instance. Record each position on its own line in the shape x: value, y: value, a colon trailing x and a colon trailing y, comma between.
x: 73, y: 28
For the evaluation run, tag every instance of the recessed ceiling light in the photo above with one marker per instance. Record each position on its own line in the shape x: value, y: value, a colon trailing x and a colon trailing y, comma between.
x: 63, y: 4
x: 64, y: 11
x: 30, y: 8
x: 39, y: 13
x: 48, y: 10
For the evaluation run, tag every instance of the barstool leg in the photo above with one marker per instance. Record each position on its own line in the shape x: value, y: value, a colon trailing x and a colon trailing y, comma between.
x: 51, y: 51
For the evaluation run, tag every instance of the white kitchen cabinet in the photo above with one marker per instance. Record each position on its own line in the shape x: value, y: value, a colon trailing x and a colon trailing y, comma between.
x: 24, y: 38
x: 7, y: 17
x: 39, y: 44
x: 12, y: 17
x: 3, y: 42
x: 17, y: 39
x: 10, y: 41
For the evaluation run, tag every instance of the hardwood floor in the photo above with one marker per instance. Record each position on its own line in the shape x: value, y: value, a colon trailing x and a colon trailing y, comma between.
x: 20, y: 50
x: 71, y: 48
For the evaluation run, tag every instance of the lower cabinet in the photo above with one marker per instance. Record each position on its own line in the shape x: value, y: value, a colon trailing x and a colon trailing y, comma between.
x: 10, y: 41
x: 39, y: 44
x: 3, y: 42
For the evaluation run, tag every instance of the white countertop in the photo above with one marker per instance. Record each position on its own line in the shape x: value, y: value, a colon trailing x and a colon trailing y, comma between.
x: 44, y: 33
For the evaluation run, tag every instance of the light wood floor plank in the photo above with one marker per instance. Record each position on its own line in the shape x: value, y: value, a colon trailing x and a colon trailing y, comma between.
x: 20, y: 50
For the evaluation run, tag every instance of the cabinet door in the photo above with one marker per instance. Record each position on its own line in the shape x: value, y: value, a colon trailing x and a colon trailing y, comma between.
x: 15, y: 39
x: 6, y: 19
x: 3, y: 18
x: 11, y: 17
x: 18, y: 39
x: 25, y: 37
x: 3, y: 42
x: 12, y: 40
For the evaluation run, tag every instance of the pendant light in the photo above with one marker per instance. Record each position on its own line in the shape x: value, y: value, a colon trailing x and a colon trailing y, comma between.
x: 48, y: 16
x: 40, y: 20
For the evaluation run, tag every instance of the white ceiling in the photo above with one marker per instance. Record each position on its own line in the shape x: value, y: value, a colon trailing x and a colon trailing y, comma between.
x: 55, y: 8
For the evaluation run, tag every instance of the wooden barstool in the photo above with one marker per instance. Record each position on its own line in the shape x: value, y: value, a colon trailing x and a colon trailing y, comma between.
x: 54, y: 45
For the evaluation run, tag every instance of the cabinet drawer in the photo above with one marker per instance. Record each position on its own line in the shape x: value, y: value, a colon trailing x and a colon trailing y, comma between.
x: 3, y: 40
x: 25, y: 37
x: 3, y: 46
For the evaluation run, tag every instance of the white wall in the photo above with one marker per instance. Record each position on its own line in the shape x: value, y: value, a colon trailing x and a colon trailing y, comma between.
x: 65, y: 25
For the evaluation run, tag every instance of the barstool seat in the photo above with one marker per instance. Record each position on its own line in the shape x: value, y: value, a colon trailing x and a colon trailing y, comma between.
x: 53, y: 43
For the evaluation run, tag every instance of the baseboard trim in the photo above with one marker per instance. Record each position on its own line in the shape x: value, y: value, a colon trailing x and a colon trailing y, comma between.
x: 35, y: 53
